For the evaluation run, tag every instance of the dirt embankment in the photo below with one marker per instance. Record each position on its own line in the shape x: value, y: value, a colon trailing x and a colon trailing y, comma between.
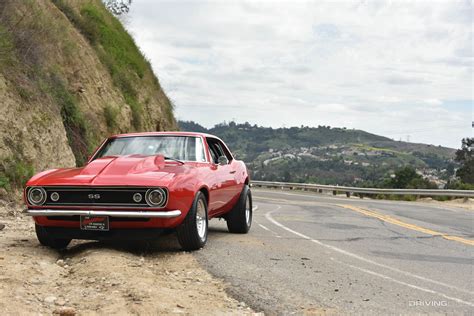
x: 70, y: 76
x: 103, y: 278
x: 462, y: 203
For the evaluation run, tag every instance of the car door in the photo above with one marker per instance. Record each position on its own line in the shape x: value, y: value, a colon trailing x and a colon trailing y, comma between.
x: 234, y: 186
x: 222, y: 179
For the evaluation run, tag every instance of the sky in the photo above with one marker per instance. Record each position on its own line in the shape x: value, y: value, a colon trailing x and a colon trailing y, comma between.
x: 401, y: 69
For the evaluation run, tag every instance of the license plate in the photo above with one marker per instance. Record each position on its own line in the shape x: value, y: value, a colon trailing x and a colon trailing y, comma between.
x: 95, y: 223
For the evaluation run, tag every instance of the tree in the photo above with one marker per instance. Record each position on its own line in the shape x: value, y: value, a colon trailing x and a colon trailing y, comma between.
x: 118, y: 7
x: 450, y: 169
x: 407, y: 178
x: 403, y: 177
x: 465, y: 158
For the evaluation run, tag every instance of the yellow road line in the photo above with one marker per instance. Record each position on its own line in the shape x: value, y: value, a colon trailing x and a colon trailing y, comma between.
x: 395, y: 221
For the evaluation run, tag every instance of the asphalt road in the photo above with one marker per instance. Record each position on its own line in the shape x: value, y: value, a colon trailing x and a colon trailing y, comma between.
x: 310, y: 253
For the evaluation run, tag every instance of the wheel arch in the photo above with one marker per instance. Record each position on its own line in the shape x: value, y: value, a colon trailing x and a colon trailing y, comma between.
x: 205, y: 191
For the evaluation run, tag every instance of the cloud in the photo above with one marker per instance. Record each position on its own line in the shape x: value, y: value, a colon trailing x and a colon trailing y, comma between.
x: 405, y: 80
x: 388, y: 67
x: 433, y: 101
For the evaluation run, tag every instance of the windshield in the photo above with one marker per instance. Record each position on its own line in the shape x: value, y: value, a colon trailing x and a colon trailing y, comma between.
x: 186, y: 148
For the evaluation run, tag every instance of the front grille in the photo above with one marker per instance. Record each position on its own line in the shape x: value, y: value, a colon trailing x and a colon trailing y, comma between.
x: 96, y: 196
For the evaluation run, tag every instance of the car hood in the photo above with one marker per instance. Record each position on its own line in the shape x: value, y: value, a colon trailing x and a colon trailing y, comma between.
x: 132, y: 170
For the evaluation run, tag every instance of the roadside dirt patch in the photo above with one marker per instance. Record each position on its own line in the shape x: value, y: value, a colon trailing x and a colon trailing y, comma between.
x: 462, y: 203
x: 104, y: 278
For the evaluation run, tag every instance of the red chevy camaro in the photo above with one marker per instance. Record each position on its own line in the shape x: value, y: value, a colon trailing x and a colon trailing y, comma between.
x: 139, y: 186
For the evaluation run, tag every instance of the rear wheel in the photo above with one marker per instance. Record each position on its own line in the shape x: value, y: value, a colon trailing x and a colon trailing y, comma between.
x: 47, y: 240
x: 192, y: 233
x: 239, y: 219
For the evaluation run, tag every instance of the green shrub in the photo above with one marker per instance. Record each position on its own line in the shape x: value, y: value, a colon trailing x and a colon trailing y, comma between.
x: 4, y: 183
x: 73, y: 119
x: 459, y: 185
x: 6, y: 47
x: 137, y: 112
x: 110, y: 114
x: 14, y: 173
x: 442, y: 198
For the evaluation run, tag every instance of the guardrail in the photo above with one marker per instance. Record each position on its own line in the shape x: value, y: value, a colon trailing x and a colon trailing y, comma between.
x: 352, y: 190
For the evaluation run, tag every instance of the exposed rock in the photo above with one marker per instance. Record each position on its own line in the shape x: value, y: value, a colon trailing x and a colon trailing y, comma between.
x: 3, y: 194
x: 91, y: 280
x: 60, y: 302
x: 50, y: 299
x: 65, y: 311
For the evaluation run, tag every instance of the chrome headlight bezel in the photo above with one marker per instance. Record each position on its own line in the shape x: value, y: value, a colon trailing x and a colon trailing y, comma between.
x: 164, y: 197
x: 43, y: 196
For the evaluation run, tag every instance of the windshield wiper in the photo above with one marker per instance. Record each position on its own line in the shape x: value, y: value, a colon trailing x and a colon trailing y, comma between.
x: 174, y: 159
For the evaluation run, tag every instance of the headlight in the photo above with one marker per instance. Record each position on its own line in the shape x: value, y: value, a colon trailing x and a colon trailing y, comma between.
x: 36, y: 196
x: 156, y: 197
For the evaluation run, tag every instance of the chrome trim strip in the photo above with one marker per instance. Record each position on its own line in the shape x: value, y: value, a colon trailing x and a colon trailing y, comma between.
x: 137, y: 214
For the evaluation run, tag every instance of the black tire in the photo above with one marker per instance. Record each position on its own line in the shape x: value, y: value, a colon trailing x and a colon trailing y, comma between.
x: 237, y: 220
x: 188, y: 233
x: 47, y: 240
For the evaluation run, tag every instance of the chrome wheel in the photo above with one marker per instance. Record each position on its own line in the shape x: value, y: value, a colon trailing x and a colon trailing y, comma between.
x: 201, y: 219
x: 247, y: 211
x: 192, y: 233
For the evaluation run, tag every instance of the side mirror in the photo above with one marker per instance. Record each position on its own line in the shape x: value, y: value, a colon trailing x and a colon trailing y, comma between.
x: 222, y: 160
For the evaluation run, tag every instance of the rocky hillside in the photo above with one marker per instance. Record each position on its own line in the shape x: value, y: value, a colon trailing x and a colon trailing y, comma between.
x: 69, y: 76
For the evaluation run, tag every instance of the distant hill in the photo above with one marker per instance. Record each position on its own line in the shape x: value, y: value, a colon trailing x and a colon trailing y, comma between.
x: 327, y: 155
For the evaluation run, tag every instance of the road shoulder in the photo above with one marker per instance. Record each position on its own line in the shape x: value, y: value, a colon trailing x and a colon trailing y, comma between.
x: 103, y: 278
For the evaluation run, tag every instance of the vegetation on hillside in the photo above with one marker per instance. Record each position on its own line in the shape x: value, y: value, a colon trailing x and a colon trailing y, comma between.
x: 117, y: 51
x: 408, y: 178
x: 328, y: 155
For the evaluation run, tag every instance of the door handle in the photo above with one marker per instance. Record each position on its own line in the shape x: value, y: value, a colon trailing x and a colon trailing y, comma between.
x: 232, y: 172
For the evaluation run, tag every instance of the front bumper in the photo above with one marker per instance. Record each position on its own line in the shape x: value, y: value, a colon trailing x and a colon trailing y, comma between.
x: 130, y: 214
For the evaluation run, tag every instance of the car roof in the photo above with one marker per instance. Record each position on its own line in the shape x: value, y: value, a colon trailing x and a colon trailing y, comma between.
x: 164, y: 134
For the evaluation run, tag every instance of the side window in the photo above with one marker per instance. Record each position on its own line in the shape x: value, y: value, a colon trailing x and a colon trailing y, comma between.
x: 224, y: 151
x: 217, y: 149
x: 212, y: 149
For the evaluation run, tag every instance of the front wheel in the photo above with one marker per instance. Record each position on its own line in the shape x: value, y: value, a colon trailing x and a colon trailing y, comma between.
x: 192, y: 233
x: 47, y: 240
x: 239, y: 219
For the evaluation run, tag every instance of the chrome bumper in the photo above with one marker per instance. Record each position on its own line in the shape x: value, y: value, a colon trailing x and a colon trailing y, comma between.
x: 131, y: 214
